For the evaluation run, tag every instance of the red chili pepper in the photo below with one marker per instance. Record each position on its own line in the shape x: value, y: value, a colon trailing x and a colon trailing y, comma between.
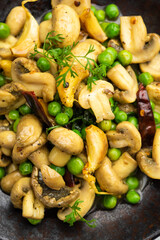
x: 69, y: 179
x: 147, y: 127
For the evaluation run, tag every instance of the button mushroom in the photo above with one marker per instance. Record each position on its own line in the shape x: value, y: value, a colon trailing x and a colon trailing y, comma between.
x: 134, y: 38
x: 124, y: 79
x: 153, y: 91
x: 125, y: 135
x: 58, y: 157
x: 153, y: 67
x: 7, y: 139
x: 65, y: 21
x: 5, y: 45
x: 9, y: 180
x: 4, y: 160
x: 87, y: 196
x: 150, y: 165
x: 44, y: 28
x: 40, y: 157
x: 66, y: 140
x: 98, y: 100
x: 49, y: 197
x: 26, y: 72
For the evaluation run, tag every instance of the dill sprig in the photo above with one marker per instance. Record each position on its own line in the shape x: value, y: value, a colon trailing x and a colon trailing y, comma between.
x: 71, y: 218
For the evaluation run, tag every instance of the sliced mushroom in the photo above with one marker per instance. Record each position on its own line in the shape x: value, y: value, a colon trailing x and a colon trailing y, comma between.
x: 153, y: 91
x: 9, y: 180
x: 66, y: 140
x: 125, y: 135
x: 40, y: 157
x: 65, y: 21
x: 52, y: 178
x: 153, y: 67
x: 44, y: 28
x: 88, y: 20
x: 49, y: 197
x: 11, y: 97
x: 4, y: 160
x: 108, y: 180
x: 78, y: 6
x: 29, y: 130
x: 11, y: 168
x: 6, y: 151
x: 87, y: 196
x: 67, y: 92
x: 58, y: 157
x: 150, y: 165
x: 116, y: 44
x: 16, y: 20
x: 7, y: 139
x: 20, y: 154
x: 134, y: 37
x: 127, y: 108
x: 27, y: 73
x: 124, y: 79
x: 98, y: 100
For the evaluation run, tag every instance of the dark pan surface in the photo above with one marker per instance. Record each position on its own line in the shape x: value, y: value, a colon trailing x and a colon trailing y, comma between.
x: 126, y: 222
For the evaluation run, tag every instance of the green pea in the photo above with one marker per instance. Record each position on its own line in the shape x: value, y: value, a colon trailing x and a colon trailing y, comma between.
x: 25, y: 168
x: 60, y: 170
x: 68, y: 111
x: 109, y: 201
x: 114, y: 154
x: 24, y: 109
x: 125, y: 57
x: 133, y: 197
x: 120, y: 116
x: 43, y: 64
x: 112, y: 11
x: 132, y: 182
x: 4, y: 30
x: 134, y: 121
x: 62, y: 119
x: 104, y: 25
x: 93, y: 9
x: 13, y: 114
x: 83, y: 133
x: 34, y: 221
x: 78, y: 132
x: 2, y: 172
x: 54, y: 108
x: 100, y: 15
x: 2, y: 80
x: 112, y: 51
x: 15, y: 124
x: 47, y: 16
x: 116, y: 63
x: 105, y: 125
x: 156, y: 117
x: 75, y: 165
x: 113, y: 126
x: 106, y: 58
x: 152, y: 104
x: 145, y: 78
x: 112, y: 30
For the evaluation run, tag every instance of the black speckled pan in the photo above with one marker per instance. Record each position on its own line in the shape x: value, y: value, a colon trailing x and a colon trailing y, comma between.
x: 126, y: 222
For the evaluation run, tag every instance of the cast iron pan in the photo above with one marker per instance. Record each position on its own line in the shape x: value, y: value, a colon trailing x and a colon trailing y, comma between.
x: 126, y: 222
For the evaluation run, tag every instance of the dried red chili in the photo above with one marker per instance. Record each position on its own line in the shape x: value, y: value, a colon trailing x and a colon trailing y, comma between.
x: 147, y: 126
x: 69, y: 179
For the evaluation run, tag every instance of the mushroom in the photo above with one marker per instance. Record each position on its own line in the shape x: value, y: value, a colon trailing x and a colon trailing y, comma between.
x: 40, y: 157
x: 29, y: 36
x: 5, y: 45
x: 52, y: 178
x: 26, y: 72
x: 108, y: 180
x: 7, y: 139
x: 127, y: 108
x: 98, y: 100
x: 87, y: 196
x: 78, y: 6
x: 58, y: 157
x: 67, y: 93
x: 16, y: 20
x: 49, y: 197
x: 9, y: 180
x: 65, y: 21
x: 153, y: 91
x: 4, y: 160
x: 66, y: 140
x: 29, y: 130
x: 20, y: 154
x: 153, y: 67
x: 125, y: 135
x: 134, y: 38
x: 44, y: 28
x: 88, y: 20
x: 150, y: 165
x: 11, y: 97
x: 5, y: 65
x: 116, y: 44
x: 11, y: 168
x: 4, y: 125
x: 124, y: 79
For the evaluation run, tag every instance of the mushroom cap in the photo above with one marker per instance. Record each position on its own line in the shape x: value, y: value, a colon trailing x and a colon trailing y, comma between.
x: 49, y: 197
x: 9, y: 180
x: 125, y: 135
x: 40, y: 157
x: 66, y: 140
x: 153, y: 91
x: 7, y: 139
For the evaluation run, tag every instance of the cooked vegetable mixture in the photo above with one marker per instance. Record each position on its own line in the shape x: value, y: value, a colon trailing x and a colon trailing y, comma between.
x: 79, y: 109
